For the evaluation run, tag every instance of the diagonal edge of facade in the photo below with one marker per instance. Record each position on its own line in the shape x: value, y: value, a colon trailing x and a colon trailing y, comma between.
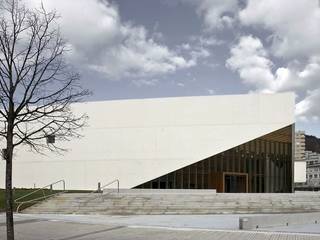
x: 261, y: 165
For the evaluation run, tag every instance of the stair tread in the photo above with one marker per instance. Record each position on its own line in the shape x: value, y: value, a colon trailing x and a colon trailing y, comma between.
x: 134, y: 202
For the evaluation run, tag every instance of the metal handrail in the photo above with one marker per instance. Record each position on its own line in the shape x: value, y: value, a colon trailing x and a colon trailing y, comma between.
x: 101, y: 190
x: 108, y: 184
x: 39, y: 198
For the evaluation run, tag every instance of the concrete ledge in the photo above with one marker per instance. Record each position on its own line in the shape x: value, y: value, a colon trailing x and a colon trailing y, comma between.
x: 275, y: 220
x: 165, y: 191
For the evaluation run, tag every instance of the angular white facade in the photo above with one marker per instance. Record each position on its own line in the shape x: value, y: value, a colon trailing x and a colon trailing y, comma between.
x: 139, y: 140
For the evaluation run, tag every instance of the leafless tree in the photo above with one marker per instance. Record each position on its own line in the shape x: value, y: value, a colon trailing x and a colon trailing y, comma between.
x: 37, y: 86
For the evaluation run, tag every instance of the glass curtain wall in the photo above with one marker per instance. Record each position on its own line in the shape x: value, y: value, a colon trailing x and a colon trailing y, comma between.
x: 259, y: 166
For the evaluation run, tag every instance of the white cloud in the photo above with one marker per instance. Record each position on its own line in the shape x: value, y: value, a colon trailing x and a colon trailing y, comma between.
x: 295, y: 25
x: 308, y: 109
x: 198, y: 48
x: 291, y: 62
x: 145, y: 82
x: 251, y: 60
x: 100, y: 40
x: 211, y: 91
x: 206, y: 40
x: 216, y: 14
x: 186, y: 46
x: 199, y: 52
x: 210, y: 41
x: 136, y: 55
x: 294, y: 28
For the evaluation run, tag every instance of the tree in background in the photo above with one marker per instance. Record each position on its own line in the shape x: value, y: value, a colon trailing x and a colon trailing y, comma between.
x: 37, y: 87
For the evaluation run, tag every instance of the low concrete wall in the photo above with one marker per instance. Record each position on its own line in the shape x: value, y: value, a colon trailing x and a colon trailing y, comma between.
x: 167, y: 191
x: 274, y: 220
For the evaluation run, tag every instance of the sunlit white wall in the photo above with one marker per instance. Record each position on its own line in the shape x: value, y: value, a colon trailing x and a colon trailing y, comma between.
x: 138, y: 140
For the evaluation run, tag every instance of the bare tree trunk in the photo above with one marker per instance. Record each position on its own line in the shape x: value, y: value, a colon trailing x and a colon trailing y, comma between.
x: 9, y: 198
x: 8, y: 157
x: 37, y: 87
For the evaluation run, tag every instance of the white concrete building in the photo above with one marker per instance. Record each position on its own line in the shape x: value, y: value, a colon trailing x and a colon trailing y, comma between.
x: 313, y: 169
x: 300, y: 157
x: 233, y: 143
x: 300, y: 146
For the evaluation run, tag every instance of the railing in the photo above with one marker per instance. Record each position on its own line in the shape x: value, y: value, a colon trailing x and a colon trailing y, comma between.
x: 20, y: 203
x: 108, y: 184
x: 101, y: 191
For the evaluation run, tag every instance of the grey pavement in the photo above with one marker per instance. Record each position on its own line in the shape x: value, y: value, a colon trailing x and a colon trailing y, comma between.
x: 93, y: 227
x: 57, y: 230
x: 174, y: 221
x: 306, y: 228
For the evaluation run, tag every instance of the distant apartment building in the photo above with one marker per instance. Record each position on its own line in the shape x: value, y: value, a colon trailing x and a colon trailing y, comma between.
x: 313, y: 168
x: 307, y: 149
x: 300, y: 146
x: 300, y: 160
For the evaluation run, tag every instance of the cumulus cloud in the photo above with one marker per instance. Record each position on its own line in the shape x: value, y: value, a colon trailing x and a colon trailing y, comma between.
x: 137, y: 55
x: 101, y: 41
x: 308, y: 109
x: 295, y: 25
x: 198, y: 48
x: 291, y: 62
x: 294, y: 37
x: 216, y: 14
x: 251, y: 60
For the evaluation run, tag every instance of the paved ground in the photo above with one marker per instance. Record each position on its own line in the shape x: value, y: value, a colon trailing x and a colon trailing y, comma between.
x: 174, y: 221
x: 307, y: 228
x: 62, y: 227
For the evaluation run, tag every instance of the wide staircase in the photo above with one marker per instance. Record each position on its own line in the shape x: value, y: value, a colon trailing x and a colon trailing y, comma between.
x: 142, y: 201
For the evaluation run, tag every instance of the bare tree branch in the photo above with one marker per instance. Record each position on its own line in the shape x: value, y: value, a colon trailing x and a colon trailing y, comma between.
x: 37, y: 86
x: 35, y: 77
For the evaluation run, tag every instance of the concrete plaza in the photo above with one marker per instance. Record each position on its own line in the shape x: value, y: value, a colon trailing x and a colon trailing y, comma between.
x: 72, y: 227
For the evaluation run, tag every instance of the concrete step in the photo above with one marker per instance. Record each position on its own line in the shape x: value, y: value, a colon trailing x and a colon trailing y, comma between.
x: 179, y: 202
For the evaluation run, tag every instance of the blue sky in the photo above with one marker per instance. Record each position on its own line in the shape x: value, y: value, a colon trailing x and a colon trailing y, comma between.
x: 162, y: 48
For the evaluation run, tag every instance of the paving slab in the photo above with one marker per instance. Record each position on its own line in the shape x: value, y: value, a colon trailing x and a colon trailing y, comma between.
x: 306, y: 228
x: 69, y: 227
x: 175, y: 221
x: 56, y: 230
x: 47, y: 229
x: 276, y: 220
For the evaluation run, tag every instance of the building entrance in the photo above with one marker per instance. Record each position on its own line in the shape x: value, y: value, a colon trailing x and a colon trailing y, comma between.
x: 235, y: 182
